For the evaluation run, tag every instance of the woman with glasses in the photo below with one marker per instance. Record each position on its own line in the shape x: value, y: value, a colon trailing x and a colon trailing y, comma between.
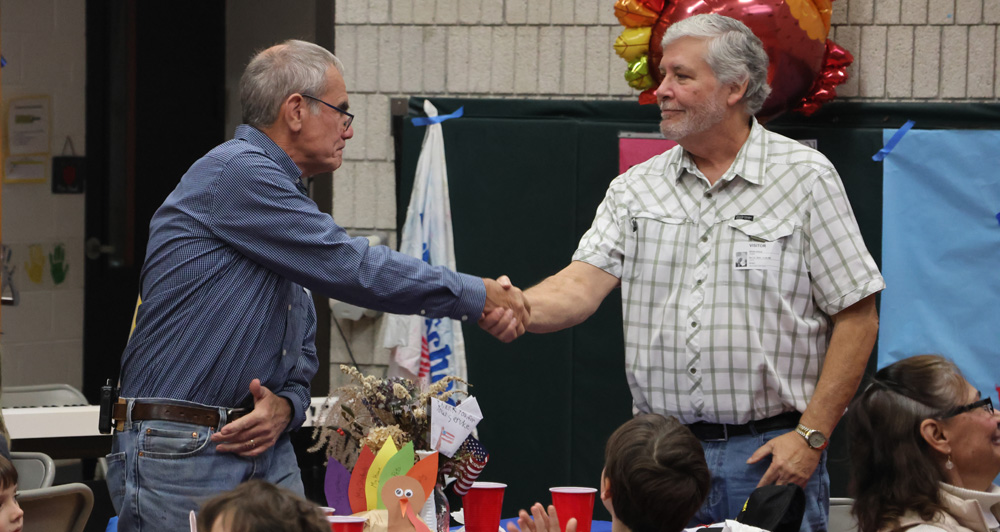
x: 925, y: 448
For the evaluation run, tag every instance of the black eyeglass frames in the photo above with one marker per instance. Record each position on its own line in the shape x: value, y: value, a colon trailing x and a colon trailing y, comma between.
x: 350, y: 117
x: 986, y: 404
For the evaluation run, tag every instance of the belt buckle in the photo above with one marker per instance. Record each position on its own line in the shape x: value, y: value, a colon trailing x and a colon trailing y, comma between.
x: 231, y: 411
x: 725, y: 434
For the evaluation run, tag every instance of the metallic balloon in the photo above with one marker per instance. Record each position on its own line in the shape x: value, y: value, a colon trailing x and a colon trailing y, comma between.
x: 634, y: 13
x: 805, y: 67
x: 637, y: 74
x: 632, y: 43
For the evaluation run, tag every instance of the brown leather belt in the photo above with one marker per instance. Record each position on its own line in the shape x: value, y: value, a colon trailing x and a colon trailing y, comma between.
x: 196, y: 415
x: 722, y: 432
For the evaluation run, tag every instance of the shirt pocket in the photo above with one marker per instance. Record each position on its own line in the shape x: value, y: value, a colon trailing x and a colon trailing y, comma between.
x: 791, y: 266
x: 764, y: 229
x: 653, y: 242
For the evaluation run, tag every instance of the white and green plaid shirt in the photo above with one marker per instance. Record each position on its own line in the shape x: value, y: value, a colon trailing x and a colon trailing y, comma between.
x: 706, y: 341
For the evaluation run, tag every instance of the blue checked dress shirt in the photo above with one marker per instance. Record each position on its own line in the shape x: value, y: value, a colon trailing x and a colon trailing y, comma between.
x: 231, y: 252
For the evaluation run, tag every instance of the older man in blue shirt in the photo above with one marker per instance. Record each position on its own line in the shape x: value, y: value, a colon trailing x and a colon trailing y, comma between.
x: 217, y: 370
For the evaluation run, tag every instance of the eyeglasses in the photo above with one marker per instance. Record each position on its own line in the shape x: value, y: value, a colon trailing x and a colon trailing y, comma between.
x: 986, y: 404
x: 350, y: 117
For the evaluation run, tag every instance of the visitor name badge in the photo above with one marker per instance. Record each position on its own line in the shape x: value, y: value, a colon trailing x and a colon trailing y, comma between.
x: 757, y: 256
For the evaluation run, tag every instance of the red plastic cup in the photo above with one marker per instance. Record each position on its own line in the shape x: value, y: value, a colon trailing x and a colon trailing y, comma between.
x: 573, y: 502
x: 481, y: 506
x: 346, y: 523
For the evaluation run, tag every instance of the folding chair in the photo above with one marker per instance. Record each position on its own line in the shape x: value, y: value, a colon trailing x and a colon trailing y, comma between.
x: 42, y: 395
x: 34, y: 470
x: 63, y: 508
x: 841, y: 519
x: 48, y: 395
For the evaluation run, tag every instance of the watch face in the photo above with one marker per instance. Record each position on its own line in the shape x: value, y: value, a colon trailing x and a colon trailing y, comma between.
x: 817, y: 440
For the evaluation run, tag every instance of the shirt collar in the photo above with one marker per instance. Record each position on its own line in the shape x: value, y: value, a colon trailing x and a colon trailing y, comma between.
x: 986, y: 500
x: 750, y: 162
x: 259, y: 139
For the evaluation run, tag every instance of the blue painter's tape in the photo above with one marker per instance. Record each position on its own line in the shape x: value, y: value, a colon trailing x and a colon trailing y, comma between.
x: 428, y: 120
x: 893, y: 141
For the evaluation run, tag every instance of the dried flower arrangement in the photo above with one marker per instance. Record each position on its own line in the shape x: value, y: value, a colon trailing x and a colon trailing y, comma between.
x: 371, y: 410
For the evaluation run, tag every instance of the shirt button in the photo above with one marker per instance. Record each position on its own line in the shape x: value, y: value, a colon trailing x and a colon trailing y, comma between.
x: 694, y: 370
x: 423, y: 312
x: 694, y: 324
x: 465, y: 318
x: 698, y: 282
x: 704, y: 238
x: 708, y: 195
x: 284, y: 352
x: 289, y: 307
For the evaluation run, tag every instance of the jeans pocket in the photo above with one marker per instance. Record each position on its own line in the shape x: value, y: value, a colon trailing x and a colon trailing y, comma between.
x: 116, y: 479
x: 167, y: 440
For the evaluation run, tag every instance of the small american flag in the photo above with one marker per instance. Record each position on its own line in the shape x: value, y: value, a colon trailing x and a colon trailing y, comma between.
x: 469, y: 471
x: 445, y: 437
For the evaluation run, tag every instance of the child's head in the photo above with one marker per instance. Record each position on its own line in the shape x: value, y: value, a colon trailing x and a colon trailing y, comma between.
x: 655, y: 476
x: 11, y: 516
x: 258, y: 506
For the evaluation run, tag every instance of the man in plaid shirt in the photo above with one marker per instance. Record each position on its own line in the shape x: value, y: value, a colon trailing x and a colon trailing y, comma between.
x: 748, y: 294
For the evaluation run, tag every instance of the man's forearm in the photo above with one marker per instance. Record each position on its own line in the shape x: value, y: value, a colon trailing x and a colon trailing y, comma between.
x: 854, y: 332
x: 568, y: 297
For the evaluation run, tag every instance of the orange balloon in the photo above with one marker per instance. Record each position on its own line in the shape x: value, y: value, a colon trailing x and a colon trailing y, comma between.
x: 633, y: 13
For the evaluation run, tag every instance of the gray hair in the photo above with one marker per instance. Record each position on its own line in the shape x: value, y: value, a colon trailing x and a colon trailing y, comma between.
x: 734, y: 54
x: 280, y: 71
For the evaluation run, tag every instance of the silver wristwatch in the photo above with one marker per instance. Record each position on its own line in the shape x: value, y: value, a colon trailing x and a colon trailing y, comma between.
x: 816, y: 439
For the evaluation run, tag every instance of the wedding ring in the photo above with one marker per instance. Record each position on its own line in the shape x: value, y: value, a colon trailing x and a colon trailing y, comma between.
x: 251, y: 443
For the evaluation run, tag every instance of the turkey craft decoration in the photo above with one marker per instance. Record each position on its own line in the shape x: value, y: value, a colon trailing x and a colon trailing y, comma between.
x: 390, y: 480
x: 400, y: 495
x: 805, y: 66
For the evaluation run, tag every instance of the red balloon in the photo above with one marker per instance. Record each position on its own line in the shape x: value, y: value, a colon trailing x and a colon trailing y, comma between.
x: 803, y: 70
x: 655, y: 5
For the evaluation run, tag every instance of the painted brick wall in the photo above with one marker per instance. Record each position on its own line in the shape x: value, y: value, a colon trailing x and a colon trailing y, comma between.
x: 905, y: 50
x: 43, y: 42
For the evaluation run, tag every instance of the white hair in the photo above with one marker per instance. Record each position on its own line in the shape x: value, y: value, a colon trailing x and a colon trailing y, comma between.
x: 735, y: 54
x: 276, y: 73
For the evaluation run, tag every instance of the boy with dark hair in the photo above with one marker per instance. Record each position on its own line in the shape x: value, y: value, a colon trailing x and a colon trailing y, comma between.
x: 11, y: 515
x: 259, y: 506
x: 654, y: 480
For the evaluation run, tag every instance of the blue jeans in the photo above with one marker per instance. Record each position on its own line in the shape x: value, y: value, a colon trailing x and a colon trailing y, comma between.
x: 733, y: 480
x: 158, y: 471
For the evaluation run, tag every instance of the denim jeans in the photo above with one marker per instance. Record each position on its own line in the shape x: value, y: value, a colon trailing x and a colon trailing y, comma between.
x: 158, y: 471
x: 733, y: 480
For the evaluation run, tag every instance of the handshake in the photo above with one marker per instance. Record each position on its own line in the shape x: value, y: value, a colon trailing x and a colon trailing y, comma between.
x: 507, y: 313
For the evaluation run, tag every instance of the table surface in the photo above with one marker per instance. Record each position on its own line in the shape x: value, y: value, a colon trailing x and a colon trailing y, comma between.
x: 77, y: 421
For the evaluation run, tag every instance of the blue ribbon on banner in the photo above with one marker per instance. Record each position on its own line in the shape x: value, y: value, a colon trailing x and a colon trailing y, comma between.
x: 428, y: 120
x: 893, y: 141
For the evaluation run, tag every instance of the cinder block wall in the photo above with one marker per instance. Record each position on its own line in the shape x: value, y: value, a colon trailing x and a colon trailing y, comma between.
x: 905, y: 50
x: 45, y: 47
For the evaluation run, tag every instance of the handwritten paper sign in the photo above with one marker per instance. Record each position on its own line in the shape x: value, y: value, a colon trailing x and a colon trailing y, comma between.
x: 451, y: 425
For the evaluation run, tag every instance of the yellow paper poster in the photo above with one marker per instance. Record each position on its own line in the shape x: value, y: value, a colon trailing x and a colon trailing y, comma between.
x: 375, y: 472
